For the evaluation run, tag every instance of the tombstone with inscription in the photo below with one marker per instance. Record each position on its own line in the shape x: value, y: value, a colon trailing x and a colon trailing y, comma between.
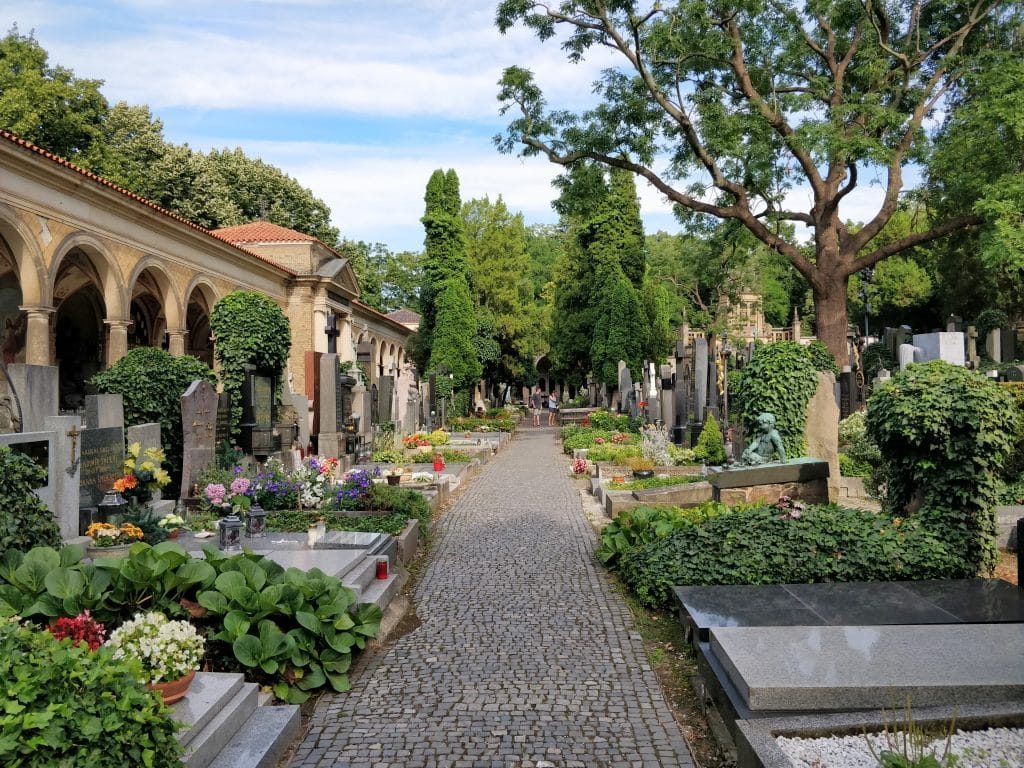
x: 700, y: 379
x: 1008, y: 344
x: 199, y: 422
x: 258, y: 412
x: 101, y: 462
x: 330, y: 441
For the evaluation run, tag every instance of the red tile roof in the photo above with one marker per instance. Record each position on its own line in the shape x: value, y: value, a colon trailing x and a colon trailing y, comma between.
x: 405, y: 316
x: 30, y: 147
x: 261, y: 232
x: 381, y: 316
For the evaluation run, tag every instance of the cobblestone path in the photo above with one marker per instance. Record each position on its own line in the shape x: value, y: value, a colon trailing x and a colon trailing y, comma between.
x: 525, y: 655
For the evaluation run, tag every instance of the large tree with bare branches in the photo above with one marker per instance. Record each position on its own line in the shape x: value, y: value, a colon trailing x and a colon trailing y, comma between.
x: 739, y: 110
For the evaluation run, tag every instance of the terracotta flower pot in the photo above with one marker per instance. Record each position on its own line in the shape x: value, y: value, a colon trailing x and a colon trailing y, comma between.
x: 174, y: 533
x: 173, y: 690
x: 394, y: 479
x: 618, y: 478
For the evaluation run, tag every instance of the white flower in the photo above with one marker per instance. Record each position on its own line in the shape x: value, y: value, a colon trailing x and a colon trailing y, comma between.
x: 167, y: 649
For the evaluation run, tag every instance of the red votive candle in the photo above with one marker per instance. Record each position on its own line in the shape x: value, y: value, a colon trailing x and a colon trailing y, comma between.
x: 382, y: 568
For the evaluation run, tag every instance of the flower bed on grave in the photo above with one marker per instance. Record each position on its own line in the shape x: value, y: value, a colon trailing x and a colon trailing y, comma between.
x: 357, y: 501
x: 293, y: 630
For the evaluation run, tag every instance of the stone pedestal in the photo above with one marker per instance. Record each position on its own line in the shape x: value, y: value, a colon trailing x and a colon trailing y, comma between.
x: 803, y: 479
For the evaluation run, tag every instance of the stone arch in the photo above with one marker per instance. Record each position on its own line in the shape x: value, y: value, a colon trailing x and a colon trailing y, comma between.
x: 87, y: 293
x: 154, y: 306
x: 111, y: 283
x: 200, y: 299
x: 28, y: 259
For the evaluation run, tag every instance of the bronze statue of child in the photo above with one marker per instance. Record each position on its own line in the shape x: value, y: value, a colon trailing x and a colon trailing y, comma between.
x: 764, y: 445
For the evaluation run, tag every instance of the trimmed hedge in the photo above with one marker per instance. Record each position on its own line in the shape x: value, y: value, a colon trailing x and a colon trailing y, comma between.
x: 768, y: 545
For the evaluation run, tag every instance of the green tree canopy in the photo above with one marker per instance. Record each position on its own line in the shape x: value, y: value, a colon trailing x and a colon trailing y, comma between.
x: 727, y: 108
x: 47, y: 104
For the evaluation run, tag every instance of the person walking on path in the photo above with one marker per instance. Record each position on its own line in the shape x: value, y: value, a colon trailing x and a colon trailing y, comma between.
x: 536, y: 405
x: 525, y: 652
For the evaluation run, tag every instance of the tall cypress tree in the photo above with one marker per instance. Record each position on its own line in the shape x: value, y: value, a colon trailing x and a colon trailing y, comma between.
x: 448, y: 322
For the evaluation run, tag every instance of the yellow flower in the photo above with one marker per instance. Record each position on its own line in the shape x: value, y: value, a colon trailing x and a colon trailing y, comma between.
x: 147, y: 466
x: 155, y: 454
x: 161, y: 477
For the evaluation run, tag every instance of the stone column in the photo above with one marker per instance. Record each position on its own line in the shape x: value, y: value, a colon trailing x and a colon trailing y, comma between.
x: 37, y: 334
x: 176, y: 341
x: 117, y: 340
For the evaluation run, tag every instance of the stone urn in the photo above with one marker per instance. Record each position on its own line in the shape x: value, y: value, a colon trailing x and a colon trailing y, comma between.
x: 173, y: 690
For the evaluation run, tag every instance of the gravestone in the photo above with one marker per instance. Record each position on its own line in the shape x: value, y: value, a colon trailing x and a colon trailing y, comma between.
x: 65, y: 473
x: 954, y: 324
x: 258, y: 412
x: 907, y: 354
x: 821, y: 431
x: 625, y: 385
x: 38, y: 392
x: 222, y: 427
x: 104, y: 411
x: 668, y: 404
x: 846, y: 386
x: 883, y: 377
x: 972, y: 347
x: 330, y: 441
x: 714, y: 366
x: 101, y: 462
x: 300, y: 406
x: 199, y: 421
x: 700, y: 379
x: 146, y: 435
x: 947, y: 346
x: 994, y: 345
x: 1008, y: 344
x: 1013, y: 373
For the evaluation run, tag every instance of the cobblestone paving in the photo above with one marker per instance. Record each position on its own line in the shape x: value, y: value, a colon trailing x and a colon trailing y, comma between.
x: 525, y: 657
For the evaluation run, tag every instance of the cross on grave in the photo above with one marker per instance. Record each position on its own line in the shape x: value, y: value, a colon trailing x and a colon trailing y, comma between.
x: 332, y: 334
x: 73, y: 433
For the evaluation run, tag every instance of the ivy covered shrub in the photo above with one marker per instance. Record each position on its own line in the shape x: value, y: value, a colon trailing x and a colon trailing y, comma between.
x: 151, y: 382
x: 769, y: 545
x: 68, y: 706
x: 1013, y: 467
x: 858, y: 454
x: 874, y: 358
x: 944, y: 433
x: 780, y: 379
x: 25, y: 522
x: 250, y: 329
x: 710, y: 448
x: 822, y: 359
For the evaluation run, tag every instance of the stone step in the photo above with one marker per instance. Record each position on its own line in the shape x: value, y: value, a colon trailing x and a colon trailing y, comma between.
x: 383, y: 591
x: 262, y: 740
x: 360, y: 577
x: 208, y: 741
x: 208, y: 694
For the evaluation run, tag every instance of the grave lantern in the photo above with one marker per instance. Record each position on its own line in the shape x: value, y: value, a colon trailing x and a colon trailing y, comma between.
x: 256, y: 522
x: 112, y: 505
x: 230, y: 533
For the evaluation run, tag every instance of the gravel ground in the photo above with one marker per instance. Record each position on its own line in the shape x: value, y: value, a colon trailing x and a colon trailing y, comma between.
x: 991, y: 748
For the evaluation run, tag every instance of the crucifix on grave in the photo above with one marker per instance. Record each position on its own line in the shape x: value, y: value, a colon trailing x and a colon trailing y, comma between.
x: 333, y: 333
x: 73, y: 433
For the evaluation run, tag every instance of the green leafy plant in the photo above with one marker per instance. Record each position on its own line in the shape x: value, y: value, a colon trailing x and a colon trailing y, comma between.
x: 393, y: 456
x: 151, y: 383
x: 611, y: 452
x: 66, y: 705
x: 25, y: 522
x: 770, y: 545
x: 642, y: 525
x: 251, y: 329
x: 780, y: 379
x: 908, y: 745
x: 821, y: 358
x: 710, y: 449
x: 453, y: 456
x: 602, y: 419
x: 874, y: 358
x: 944, y: 433
x: 654, y: 482
x: 859, y: 455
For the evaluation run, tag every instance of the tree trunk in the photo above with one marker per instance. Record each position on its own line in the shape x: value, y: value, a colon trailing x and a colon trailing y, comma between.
x: 832, y: 324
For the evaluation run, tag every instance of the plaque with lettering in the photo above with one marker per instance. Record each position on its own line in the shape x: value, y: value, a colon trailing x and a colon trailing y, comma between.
x: 263, y: 401
x: 102, y: 462
x: 223, y: 423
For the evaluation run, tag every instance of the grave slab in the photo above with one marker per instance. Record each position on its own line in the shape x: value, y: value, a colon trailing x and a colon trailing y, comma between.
x: 973, y: 600
x: 800, y: 470
x: 740, y: 605
x: 332, y: 562
x: 881, y: 603
x: 857, y: 667
x: 683, y: 495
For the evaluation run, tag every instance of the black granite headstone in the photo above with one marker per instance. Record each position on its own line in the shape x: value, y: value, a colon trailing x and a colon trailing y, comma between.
x: 101, y: 462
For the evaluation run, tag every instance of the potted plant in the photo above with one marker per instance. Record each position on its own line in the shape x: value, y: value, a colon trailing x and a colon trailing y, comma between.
x: 109, y: 540
x: 144, y: 474
x: 173, y: 524
x: 642, y: 467
x: 169, y: 652
x: 394, y: 475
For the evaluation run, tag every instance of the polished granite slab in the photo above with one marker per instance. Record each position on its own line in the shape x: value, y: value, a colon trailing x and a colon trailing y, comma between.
x: 830, y: 668
x: 980, y: 601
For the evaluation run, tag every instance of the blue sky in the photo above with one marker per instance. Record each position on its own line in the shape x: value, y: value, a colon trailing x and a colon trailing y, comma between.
x: 360, y: 101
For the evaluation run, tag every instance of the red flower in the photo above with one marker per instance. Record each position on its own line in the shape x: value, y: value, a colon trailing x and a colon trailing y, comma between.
x: 81, y: 629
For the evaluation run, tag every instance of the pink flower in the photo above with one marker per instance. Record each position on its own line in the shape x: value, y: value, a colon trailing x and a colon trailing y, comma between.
x: 215, y: 492
x: 240, y: 485
x: 599, y: 441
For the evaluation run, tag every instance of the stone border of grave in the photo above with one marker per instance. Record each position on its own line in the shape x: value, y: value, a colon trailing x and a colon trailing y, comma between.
x: 755, y: 739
